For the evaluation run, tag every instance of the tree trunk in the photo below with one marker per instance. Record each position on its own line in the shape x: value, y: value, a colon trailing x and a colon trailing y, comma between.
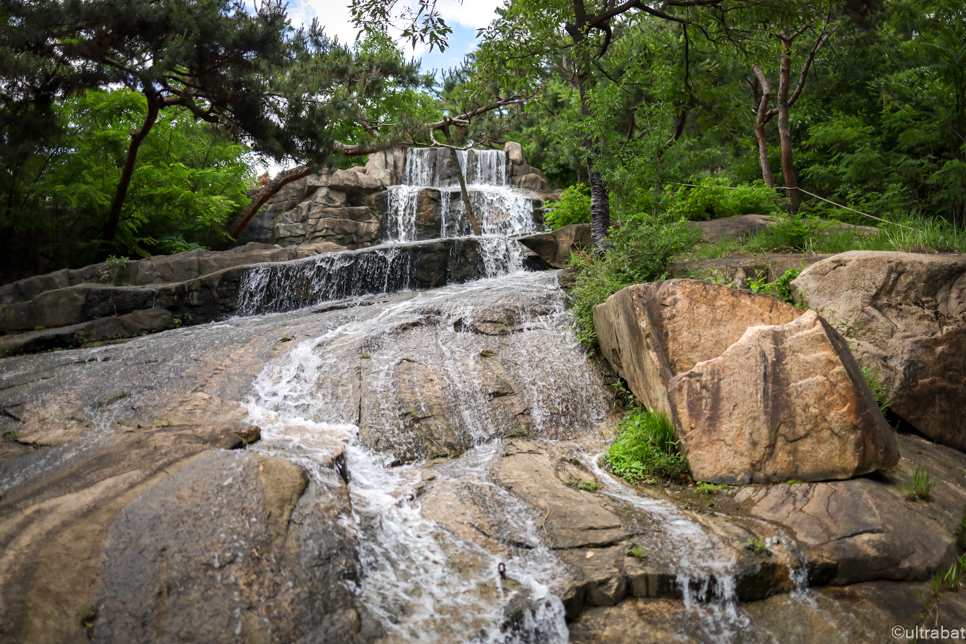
x: 599, y: 206
x: 760, y: 121
x: 466, y: 197
x: 263, y: 195
x: 599, y: 198
x: 784, y: 129
x: 114, y: 217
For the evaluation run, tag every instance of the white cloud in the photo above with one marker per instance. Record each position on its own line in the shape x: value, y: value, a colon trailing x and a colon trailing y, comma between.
x: 469, y: 13
x: 334, y: 16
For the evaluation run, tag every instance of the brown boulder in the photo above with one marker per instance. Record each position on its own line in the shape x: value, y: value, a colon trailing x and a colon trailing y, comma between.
x: 652, y: 332
x: 688, y: 349
x: 783, y: 402
x: 556, y: 247
x: 904, y: 315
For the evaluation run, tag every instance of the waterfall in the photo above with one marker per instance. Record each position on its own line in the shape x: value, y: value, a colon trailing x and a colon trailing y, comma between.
x: 421, y: 580
x: 428, y: 204
x: 284, y: 286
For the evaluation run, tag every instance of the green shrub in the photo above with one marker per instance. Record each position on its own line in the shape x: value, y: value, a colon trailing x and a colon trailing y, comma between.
x: 114, y: 274
x: 640, y: 252
x: 714, y: 198
x: 573, y: 208
x: 645, y: 447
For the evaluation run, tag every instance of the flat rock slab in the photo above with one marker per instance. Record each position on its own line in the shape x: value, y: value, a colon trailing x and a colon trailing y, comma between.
x: 904, y: 315
x: 55, y: 513
x: 732, y: 228
x: 856, y: 530
x: 572, y: 518
x: 738, y: 271
x: 212, y: 554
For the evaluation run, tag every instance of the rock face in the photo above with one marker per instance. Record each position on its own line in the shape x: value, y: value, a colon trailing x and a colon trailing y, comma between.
x: 556, y: 247
x: 163, y: 269
x: 331, y: 206
x: 783, y: 402
x: 520, y: 174
x: 904, y: 316
x: 239, y: 553
x: 310, y: 222
x: 757, y: 391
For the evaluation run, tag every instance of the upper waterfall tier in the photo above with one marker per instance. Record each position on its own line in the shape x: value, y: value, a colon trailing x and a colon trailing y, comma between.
x: 434, y: 168
x: 429, y: 204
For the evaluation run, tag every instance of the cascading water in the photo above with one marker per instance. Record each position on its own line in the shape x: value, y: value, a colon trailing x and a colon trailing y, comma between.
x: 269, y: 288
x: 395, y: 383
x: 429, y: 202
x: 423, y: 581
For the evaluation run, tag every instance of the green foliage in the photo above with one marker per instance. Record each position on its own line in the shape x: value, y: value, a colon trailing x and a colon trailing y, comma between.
x: 780, y: 289
x: 641, y: 252
x: 757, y: 546
x: 573, y: 208
x: 635, y: 550
x: 880, y: 390
x: 645, y: 448
x: 920, y: 485
x: 87, y: 616
x: 714, y: 198
x: 709, y: 488
x: 953, y: 579
x: 116, y: 267
x: 583, y: 484
x: 189, y: 181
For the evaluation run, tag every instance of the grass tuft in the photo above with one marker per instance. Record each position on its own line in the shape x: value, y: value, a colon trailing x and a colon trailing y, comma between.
x: 645, y: 448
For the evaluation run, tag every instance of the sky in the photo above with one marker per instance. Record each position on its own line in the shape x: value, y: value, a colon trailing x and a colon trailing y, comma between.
x: 463, y: 17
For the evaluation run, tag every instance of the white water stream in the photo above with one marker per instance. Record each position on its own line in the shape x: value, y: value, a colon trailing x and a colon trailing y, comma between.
x: 425, y: 583
x: 337, y: 395
x: 500, y: 210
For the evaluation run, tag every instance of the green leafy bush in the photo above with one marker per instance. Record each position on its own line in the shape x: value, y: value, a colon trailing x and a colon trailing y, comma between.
x: 573, y: 208
x: 646, y: 447
x: 714, y: 197
x: 641, y: 251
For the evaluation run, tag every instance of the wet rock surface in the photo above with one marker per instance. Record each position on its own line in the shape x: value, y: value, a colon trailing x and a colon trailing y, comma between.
x: 138, y: 490
x: 904, y: 315
x: 163, y: 269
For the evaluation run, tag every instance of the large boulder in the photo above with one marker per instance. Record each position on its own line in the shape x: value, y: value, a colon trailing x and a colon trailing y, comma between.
x: 783, y: 402
x: 904, y: 316
x: 757, y: 391
x: 514, y: 153
x: 556, y: 247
